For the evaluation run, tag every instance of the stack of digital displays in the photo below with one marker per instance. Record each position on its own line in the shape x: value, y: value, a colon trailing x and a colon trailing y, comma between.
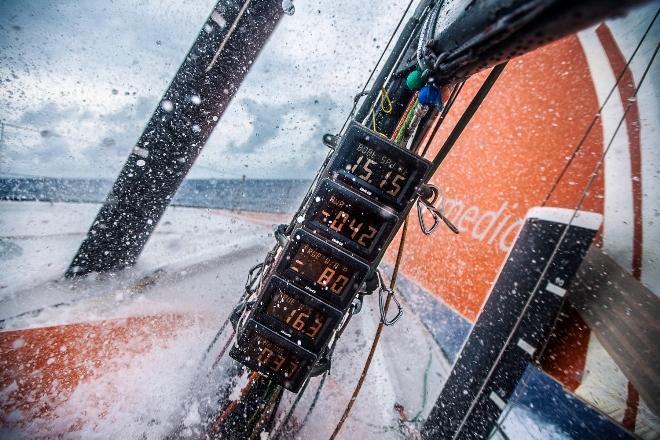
x: 364, y: 193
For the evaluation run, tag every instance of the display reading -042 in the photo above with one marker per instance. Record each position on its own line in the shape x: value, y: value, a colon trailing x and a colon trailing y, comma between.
x: 349, y: 220
x: 340, y: 235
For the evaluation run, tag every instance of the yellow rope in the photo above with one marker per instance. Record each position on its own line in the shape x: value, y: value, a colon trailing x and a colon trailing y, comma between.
x: 384, y: 99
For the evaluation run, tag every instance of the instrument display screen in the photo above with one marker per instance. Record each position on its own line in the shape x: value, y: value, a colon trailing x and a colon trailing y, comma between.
x: 350, y: 220
x: 321, y: 269
x: 295, y: 314
x: 378, y: 168
x: 269, y: 355
x: 262, y: 350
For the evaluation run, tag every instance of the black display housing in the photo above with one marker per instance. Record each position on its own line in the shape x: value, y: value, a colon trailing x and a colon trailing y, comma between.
x: 386, y: 156
x: 249, y: 348
x: 363, y: 209
x: 260, y: 314
x: 300, y: 237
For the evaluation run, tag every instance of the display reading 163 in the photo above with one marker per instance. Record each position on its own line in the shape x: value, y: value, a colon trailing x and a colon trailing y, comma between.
x: 295, y: 314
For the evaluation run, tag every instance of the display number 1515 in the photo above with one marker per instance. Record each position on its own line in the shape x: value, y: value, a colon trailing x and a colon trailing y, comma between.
x: 368, y: 172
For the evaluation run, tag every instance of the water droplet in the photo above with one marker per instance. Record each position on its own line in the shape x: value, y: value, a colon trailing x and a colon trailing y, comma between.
x: 288, y: 7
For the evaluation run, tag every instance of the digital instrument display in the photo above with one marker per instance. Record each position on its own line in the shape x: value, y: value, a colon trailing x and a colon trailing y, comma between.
x: 269, y: 355
x: 262, y: 350
x: 342, y: 230
x: 321, y: 269
x: 350, y: 220
x: 295, y: 314
x: 377, y: 168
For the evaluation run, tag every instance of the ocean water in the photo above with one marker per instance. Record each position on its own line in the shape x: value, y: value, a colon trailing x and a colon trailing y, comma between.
x: 262, y: 195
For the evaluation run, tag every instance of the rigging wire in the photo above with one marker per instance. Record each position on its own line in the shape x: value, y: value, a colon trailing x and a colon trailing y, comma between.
x: 379, y: 330
x: 362, y: 92
x: 315, y: 399
x: 466, y: 117
x: 542, y: 275
x: 598, y: 115
x: 593, y: 176
x: 444, y: 150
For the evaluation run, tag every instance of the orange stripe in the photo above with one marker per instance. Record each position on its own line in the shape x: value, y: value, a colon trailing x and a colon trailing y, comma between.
x: 632, y: 403
x: 627, y: 92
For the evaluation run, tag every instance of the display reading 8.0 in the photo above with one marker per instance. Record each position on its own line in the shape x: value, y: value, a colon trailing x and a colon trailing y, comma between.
x: 320, y: 269
x: 296, y: 315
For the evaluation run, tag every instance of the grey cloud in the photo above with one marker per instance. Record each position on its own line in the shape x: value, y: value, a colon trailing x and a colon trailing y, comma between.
x: 268, y: 119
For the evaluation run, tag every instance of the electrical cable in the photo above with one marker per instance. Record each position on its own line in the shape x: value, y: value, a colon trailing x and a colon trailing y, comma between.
x: 217, y: 423
x: 408, y: 112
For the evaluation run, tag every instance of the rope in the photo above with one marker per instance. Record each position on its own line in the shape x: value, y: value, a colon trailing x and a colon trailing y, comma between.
x: 384, y: 97
x: 598, y: 115
x: 379, y: 330
x: 409, y: 110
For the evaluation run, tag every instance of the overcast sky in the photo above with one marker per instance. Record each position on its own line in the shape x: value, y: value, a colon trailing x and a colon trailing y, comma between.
x: 81, y: 78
